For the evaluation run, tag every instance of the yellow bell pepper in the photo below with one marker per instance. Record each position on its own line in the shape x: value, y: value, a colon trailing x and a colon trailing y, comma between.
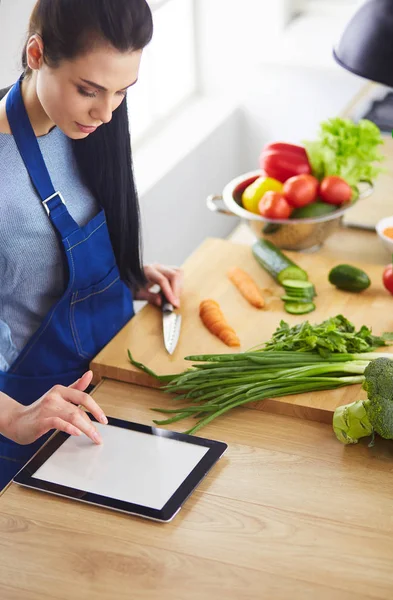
x: 254, y: 192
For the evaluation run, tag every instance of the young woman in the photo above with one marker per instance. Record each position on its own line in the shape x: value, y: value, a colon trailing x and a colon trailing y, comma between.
x: 70, y: 261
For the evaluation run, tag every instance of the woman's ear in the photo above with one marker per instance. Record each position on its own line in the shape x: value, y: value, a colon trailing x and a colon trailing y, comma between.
x: 35, y: 52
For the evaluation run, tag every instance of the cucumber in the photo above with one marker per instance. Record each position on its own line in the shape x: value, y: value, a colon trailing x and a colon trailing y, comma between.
x: 299, y: 292
x: 297, y: 285
x: 295, y: 299
x: 299, y: 308
x: 271, y: 228
x: 315, y: 209
x: 276, y: 263
x: 299, y: 297
x: 349, y: 278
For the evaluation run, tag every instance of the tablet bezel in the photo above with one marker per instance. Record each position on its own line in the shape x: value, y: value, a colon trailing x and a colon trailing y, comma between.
x: 25, y: 476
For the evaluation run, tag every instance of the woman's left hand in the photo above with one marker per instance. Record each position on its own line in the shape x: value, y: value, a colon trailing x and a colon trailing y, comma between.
x: 170, y: 280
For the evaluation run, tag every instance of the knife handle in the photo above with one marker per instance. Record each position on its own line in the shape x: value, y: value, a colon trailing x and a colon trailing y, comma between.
x: 166, y: 306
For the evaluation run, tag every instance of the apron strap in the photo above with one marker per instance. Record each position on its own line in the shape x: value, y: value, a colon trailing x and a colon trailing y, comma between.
x: 30, y: 152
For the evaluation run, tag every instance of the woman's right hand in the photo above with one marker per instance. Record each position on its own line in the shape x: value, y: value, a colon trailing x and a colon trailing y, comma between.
x: 57, y: 409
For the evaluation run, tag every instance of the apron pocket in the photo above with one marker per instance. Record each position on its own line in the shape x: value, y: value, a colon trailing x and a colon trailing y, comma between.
x: 98, y: 313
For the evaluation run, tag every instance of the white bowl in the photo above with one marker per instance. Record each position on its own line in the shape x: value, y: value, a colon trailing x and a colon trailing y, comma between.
x: 380, y: 227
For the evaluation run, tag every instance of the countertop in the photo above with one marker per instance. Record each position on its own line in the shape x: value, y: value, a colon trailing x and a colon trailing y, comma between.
x: 287, y: 513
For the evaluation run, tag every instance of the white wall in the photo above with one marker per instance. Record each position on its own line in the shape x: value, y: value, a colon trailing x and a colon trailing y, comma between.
x: 14, y: 17
x: 287, y: 103
x: 235, y: 35
x: 174, y: 214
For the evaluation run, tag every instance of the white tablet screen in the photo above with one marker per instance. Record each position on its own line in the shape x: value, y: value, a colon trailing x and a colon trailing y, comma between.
x: 130, y: 466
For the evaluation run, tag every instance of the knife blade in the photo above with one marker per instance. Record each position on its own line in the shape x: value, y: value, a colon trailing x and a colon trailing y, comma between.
x: 171, y: 325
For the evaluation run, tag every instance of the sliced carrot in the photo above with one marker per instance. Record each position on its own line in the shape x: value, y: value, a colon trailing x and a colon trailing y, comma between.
x: 214, y: 320
x: 247, y: 287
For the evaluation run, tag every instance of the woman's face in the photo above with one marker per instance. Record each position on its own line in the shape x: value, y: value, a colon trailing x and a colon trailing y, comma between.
x: 81, y: 94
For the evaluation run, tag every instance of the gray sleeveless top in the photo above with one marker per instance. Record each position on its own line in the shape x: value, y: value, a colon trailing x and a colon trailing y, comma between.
x: 32, y: 269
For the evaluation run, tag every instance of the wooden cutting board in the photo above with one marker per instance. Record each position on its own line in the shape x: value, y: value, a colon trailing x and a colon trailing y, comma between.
x: 205, y: 277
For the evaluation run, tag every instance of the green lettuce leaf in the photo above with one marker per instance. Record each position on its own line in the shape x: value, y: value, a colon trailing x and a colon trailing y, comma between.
x: 347, y: 149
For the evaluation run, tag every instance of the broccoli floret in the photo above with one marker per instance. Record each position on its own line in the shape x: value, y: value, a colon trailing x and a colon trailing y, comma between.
x: 374, y: 415
x: 379, y: 387
x: 350, y: 423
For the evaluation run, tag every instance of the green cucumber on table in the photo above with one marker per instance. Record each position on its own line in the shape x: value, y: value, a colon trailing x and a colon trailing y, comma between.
x: 299, y: 292
x: 349, y: 278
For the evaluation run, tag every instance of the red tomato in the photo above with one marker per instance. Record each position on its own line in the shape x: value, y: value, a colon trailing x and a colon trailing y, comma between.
x: 274, y: 206
x: 335, y: 190
x: 387, y: 278
x: 300, y: 190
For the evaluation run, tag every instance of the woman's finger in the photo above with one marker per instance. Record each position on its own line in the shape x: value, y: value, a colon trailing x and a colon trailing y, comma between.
x: 81, y: 398
x: 170, y: 281
x: 76, y: 419
x: 59, y: 424
x: 177, y: 283
x: 84, y: 382
x: 166, y: 288
x: 175, y: 277
x: 151, y: 297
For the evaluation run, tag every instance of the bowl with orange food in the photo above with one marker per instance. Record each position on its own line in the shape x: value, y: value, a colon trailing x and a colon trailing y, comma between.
x: 384, y: 229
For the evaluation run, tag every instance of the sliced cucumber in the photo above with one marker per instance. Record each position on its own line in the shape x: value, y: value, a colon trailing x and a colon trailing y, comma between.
x: 299, y: 294
x: 276, y: 263
x: 292, y: 273
x: 309, y: 293
x: 299, y: 298
x: 297, y: 285
x: 299, y: 308
x: 302, y: 293
x: 296, y: 299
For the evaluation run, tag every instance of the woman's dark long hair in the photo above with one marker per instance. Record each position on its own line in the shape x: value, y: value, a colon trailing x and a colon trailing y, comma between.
x: 68, y: 28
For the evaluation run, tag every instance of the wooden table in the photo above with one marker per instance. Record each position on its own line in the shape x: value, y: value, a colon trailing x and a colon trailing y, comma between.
x: 288, y: 513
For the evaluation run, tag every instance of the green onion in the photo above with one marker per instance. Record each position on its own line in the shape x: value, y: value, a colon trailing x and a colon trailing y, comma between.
x: 298, y: 359
x: 216, y: 388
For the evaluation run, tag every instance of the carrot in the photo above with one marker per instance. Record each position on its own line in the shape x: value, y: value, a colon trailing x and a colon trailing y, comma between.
x: 213, y: 319
x: 247, y: 287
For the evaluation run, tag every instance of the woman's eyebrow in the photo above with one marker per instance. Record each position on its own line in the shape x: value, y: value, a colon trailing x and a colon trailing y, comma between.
x: 101, y: 87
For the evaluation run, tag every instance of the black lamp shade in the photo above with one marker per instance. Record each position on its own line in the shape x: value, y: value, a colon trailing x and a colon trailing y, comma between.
x: 366, y: 46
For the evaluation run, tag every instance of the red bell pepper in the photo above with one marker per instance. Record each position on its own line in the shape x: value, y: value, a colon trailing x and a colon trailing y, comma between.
x: 282, y: 161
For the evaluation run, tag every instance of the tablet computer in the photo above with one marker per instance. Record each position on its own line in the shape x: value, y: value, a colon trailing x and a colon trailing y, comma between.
x: 140, y: 470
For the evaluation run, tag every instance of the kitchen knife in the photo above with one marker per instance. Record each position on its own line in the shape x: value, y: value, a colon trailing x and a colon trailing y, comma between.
x: 171, y: 324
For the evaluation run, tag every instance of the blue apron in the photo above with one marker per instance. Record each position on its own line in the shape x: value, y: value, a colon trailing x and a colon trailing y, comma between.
x: 94, y: 307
